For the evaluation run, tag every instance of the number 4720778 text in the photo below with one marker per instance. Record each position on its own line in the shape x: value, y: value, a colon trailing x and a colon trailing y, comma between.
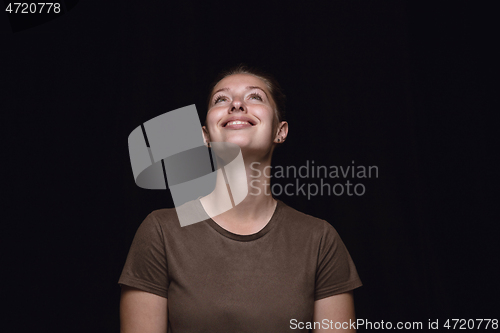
x: 33, y: 8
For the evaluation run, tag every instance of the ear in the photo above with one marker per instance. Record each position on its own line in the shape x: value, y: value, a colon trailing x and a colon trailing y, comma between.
x: 206, y: 136
x: 281, y: 132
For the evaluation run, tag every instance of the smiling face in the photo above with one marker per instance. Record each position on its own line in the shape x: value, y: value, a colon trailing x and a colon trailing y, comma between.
x: 242, y: 111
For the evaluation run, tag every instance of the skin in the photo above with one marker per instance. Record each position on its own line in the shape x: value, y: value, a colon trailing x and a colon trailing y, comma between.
x: 148, y: 313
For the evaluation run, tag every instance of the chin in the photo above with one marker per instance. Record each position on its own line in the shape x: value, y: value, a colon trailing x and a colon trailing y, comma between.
x: 238, y: 138
x: 249, y: 146
x: 252, y: 150
x: 241, y: 142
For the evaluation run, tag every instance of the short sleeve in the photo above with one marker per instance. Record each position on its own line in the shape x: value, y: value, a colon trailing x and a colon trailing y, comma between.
x: 146, y: 265
x: 336, y: 272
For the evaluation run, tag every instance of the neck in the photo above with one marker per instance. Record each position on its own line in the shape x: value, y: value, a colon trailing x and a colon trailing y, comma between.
x: 228, y: 205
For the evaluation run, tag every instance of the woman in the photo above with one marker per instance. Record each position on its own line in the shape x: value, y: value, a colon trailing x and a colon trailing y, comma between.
x: 260, y: 266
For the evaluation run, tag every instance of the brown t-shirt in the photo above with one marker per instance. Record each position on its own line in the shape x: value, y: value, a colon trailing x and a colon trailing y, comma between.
x: 218, y: 281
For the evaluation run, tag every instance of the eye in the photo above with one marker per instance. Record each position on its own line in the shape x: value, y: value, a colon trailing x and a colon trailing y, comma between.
x: 255, y: 96
x: 220, y: 98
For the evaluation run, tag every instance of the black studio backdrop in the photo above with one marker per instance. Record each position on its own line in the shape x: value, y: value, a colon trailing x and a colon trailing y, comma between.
x: 406, y: 87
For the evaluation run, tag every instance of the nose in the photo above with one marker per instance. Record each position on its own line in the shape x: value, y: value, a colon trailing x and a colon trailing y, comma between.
x: 237, y: 105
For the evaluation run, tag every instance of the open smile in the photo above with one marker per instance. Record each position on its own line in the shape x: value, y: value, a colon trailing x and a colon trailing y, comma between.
x: 238, y: 123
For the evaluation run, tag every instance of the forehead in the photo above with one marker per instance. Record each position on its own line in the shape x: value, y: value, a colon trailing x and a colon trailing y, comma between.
x: 239, y: 80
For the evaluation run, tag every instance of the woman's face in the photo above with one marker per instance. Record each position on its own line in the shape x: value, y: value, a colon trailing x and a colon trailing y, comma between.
x: 241, y: 111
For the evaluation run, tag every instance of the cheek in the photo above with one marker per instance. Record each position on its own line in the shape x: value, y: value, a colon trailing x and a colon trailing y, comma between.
x: 212, y: 119
x: 271, y: 119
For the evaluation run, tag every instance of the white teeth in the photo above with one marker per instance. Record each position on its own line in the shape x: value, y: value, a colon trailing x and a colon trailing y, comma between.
x: 237, y: 122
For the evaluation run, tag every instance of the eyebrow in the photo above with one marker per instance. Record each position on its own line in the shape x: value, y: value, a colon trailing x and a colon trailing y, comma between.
x: 247, y: 88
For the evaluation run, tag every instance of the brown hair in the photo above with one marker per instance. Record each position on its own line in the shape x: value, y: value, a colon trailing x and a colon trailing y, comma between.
x: 272, y: 85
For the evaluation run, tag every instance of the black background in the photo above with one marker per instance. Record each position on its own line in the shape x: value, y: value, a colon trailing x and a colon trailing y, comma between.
x: 405, y: 86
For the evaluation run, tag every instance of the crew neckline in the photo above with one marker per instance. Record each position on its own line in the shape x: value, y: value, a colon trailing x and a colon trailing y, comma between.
x: 245, y: 238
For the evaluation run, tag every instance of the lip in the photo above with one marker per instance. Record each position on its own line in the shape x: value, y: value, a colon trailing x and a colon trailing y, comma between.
x: 238, y: 126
